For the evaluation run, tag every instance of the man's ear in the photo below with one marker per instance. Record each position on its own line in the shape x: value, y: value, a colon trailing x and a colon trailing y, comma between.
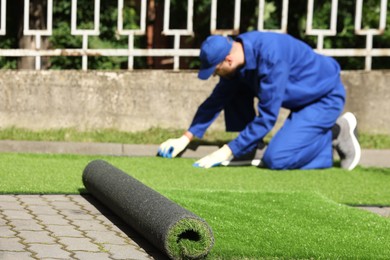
x: 229, y: 59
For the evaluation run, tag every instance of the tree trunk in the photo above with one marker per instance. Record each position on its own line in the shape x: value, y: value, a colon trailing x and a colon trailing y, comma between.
x: 150, y: 31
x: 38, y: 18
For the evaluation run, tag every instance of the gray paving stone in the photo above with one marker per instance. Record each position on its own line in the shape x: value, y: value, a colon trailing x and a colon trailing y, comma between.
x: 25, y: 224
x: 121, y: 228
x: 32, y: 200
x: 89, y: 225
x: 49, y: 251
x: 16, y: 214
x: 386, y: 211
x: 15, y: 255
x: 104, y: 237
x: 11, y: 198
x: 127, y: 252
x: 3, y: 222
x: 79, y: 244
x: 64, y: 231
x: 54, y: 198
x: 94, y: 211
x: 91, y: 203
x: 53, y: 220
x: 383, y: 211
x: 10, y: 205
x: 59, y: 205
x: 76, y: 214
x: 78, y: 199
x: 42, y: 210
x: 5, y: 231
x: 63, y: 227
x: 37, y: 237
x: 109, y: 219
x: 11, y: 244
x: 92, y: 256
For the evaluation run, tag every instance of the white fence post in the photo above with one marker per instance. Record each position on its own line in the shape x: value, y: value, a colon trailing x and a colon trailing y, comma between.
x: 320, y: 33
x: 284, y: 21
x: 236, y: 23
x: 178, y: 32
x: 85, y: 32
x: 38, y: 33
x: 3, y: 16
x: 176, y: 52
x: 131, y: 32
x: 369, y: 32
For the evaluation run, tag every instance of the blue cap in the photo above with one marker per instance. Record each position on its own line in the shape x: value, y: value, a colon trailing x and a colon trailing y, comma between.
x: 213, y: 51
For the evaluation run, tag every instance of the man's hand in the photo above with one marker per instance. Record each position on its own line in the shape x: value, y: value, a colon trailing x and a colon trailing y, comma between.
x: 216, y: 158
x: 172, y: 147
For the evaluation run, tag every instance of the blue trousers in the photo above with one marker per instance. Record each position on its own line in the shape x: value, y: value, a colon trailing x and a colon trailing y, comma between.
x: 305, y: 139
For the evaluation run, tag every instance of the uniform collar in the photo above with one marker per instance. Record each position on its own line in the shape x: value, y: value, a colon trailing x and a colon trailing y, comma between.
x: 250, y: 61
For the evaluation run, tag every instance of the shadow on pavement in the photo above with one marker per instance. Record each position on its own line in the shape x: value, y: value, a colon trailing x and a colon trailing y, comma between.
x: 126, y: 229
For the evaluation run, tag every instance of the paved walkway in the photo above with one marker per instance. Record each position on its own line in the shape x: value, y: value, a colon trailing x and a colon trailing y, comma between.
x: 79, y: 227
x: 66, y: 227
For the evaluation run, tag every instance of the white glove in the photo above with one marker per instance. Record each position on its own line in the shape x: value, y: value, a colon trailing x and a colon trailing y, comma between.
x: 172, y: 147
x: 215, y: 158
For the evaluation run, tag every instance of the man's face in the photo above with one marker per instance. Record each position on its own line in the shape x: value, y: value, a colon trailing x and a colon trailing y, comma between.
x: 225, y: 70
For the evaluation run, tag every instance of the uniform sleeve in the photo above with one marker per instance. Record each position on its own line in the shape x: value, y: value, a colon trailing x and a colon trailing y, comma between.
x: 209, y: 110
x: 273, y: 81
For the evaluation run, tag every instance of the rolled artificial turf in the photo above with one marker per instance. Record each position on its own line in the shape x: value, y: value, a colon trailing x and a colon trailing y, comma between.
x: 177, y: 232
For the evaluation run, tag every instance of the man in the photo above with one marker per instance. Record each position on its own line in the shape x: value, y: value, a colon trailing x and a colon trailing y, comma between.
x: 280, y: 71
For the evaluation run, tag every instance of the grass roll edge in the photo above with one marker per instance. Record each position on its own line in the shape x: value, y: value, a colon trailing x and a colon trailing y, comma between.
x: 176, y: 231
x: 189, y: 238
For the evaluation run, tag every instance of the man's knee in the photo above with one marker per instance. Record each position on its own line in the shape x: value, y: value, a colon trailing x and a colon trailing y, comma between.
x: 277, y: 162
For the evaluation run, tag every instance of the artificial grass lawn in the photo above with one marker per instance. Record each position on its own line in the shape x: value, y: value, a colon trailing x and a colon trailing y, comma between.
x: 254, y: 213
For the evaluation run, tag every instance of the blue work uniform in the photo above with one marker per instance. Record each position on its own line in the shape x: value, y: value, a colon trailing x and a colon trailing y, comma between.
x: 280, y: 71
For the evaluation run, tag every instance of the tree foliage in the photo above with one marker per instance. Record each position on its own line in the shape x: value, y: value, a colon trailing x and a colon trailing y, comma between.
x: 109, y: 37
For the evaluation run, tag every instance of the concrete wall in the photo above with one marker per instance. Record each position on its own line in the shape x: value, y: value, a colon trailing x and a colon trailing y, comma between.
x: 138, y: 100
x: 368, y: 96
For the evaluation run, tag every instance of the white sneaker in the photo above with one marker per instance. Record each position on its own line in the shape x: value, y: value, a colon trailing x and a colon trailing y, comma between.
x: 347, y: 144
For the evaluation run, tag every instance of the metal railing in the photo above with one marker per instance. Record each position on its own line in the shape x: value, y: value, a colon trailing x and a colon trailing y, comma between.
x: 176, y: 52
